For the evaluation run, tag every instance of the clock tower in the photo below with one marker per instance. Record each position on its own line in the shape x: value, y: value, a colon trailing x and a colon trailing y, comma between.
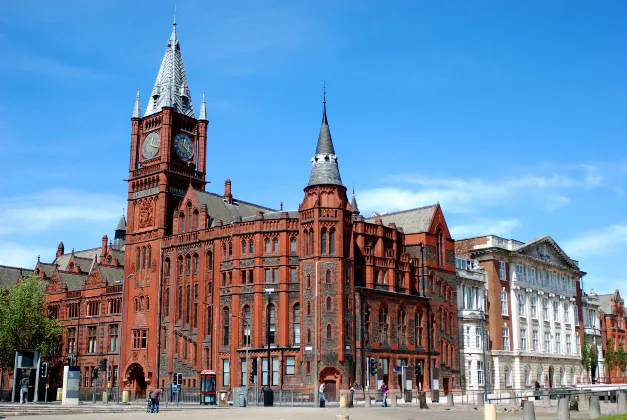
x: 167, y: 155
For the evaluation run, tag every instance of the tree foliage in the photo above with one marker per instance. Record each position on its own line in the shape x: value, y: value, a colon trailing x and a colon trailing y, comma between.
x: 610, y: 357
x: 586, y: 356
x: 24, y: 323
x: 621, y: 358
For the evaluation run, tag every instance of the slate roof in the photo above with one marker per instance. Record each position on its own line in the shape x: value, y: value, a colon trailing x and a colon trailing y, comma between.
x: 48, y: 269
x: 354, y: 203
x: 73, y: 281
x: 412, y: 221
x: 219, y: 209
x: 324, y: 167
x: 87, y: 254
x: 119, y: 255
x: 171, y: 88
x: 84, y: 264
x: 111, y: 274
x: 9, y: 276
x: 605, y: 303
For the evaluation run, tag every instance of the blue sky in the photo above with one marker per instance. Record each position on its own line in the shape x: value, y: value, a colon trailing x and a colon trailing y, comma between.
x: 511, y: 114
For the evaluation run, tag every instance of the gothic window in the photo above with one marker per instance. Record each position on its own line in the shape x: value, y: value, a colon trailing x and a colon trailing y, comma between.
x: 189, y: 216
x: 308, y: 308
x: 306, y: 239
x: 149, y: 262
x: 143, y: 257
x: 296, y: 319
x: 251, y: 247
x: 440, y: 249
x: 180, y: 265
x: 195, y: 319
x: 244, y: 248
x: 311, y: 241
x: 329, y: 304
x: 187, y: 303
x: 293, y: 245
x: 266, y: 246
x: 367, y: 325
x: 138, y: 258
x: 328, y: 276
x: 308, y: 283
x: 167, y: 301
x: 332, y: 241
x: 196, y: 222
x: 402, y: 327
x: 195, y: 263
x: 383, y: 324
x: 323, y: 241
x: 209, y: 261
x: 419, y: 329
x: 308, y: 336
x: 179, y: 309
x: 275, y: 245
x: 188, y: 265
x: 329, y: 332
x: 226, y: 321
x: 246, y: 326
x: 182, y: 222
x: 167, y: 267
x: 223, y: 250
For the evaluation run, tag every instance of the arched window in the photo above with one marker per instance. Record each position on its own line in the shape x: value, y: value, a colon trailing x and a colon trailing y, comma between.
x: 179, y: 304
x: 182, y: 222
x: 251, y: 247
x: 306, y: 239
x: 329, y: 304
x: 308, y: 308
x: 244, y: 248
x: 136, y: 304
x: 188, y: 303
x: 246, y: 326
x: 167, y: 267
x: 440, y: 249
x: 226, y: 322
x: 230, y: 249
x: 311, y: 241
x: 275, y: 245
x: 402, y: 327
x: 328, y: 276
x: 308, y: 336
x: 196, y: 220
x: 167, y: 301
x: 419, y: 329
x: 266, y: 246
x: 296, y: 319
x: 180, y: 265
x: 383, y: 324
x: 329, y: 332
x: 149, y: 262
x: 223, y: 250
x: 147, y: 303
x: 293, y: 245
x: 508, y: 376
x: 209, y: 261
x: 143, y: 257
x: 195, y: 263
x: 188, y: 265
x: 189, y: 215
x: 272, y: 328
x: 308, y: 283
x: 323, y: 241
x: 332, y: 241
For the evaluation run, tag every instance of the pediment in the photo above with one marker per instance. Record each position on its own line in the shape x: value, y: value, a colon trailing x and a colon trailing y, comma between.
x: 548, y: 251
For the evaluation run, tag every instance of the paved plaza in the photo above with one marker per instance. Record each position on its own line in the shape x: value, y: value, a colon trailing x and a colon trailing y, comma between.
x: 87, y: 412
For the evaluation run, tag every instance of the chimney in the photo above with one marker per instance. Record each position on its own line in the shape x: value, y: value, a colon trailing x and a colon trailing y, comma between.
x: 60, y: 249
x: 227, y: 191
x: 103, y: 250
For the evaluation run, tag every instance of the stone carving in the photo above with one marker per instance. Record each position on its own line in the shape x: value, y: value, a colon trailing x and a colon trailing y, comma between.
x: 135, y: 355
x: 543, y: 254
x: 145, y: 214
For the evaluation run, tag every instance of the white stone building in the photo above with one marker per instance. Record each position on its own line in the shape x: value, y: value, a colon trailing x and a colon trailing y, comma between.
x: 534, y: 311
x: 592, y: 332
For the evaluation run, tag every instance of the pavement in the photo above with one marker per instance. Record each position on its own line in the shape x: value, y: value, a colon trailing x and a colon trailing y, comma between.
x: 197, y: 412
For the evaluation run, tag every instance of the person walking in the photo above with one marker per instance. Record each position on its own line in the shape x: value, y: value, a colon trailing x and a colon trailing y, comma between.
x: 24, y: 384
x: 155, y: 397
x: 384, y: 395
x: 321, y: 397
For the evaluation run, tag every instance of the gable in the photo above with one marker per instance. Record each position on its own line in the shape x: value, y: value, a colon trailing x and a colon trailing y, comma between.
x: 545, y: 249
x: 439, y: 222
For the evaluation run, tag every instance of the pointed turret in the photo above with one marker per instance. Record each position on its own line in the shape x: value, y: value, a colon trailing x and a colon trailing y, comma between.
x: 120, y: 234
x: 137, y: 113
x: 324, y: 170
x: 203, y: 109
x: 354, y: 204
x: 171, y: 88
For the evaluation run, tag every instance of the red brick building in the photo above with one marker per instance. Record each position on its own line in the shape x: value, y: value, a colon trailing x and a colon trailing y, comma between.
x: 614, y: 329
x: 199, y: 263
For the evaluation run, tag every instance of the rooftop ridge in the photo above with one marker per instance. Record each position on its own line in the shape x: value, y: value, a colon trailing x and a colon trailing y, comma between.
x: 236, y: 199
x: 403, y: 211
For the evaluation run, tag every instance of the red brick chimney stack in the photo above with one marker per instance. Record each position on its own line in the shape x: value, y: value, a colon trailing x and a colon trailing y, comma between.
x: 60, y: 249
x: 227, y: 191
x: 105, y: 242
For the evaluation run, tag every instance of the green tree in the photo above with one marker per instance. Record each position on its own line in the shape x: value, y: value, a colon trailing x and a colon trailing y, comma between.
x: 610, y: 358
x: 586, y: 357
x: 621, y: 358
x: 24, y: 323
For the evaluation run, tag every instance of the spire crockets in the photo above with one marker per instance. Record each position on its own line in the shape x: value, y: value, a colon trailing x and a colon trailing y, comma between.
x: 171, y: 88
x: 324, y: 168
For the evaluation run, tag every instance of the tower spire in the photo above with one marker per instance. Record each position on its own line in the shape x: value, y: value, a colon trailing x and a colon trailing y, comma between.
x: 354, y: 202
x: 171, y: 88
x: 137, y: 109
x: 324, y: 170
x: 203, y: 108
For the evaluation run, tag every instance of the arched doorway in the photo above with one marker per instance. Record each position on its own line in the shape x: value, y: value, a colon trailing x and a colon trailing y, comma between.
x: 332, y: 379
x: 551, y: 372
x: 136, y: 381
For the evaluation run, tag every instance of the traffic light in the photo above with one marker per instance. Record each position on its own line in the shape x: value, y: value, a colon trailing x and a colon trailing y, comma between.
x: 179, y: 379
x: 103, y: 364
x: 43, y: 370
x: 94, y: 373
x: 253, y: 372
x: 373, y: 367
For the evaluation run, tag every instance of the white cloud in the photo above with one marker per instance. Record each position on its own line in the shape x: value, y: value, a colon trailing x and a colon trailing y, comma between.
x: 485, y: 227
x: 16, y: 255
x: 557, y: 201
x: 56, y: 208
x: 600, y: 242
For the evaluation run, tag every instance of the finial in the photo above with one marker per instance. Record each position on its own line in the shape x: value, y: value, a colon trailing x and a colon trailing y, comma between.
x: 203, y: 108
x: 324, y: 103
x: 281, y: 206
x: 38, y: 258
x: 174, y: 15
x: 136, y: 108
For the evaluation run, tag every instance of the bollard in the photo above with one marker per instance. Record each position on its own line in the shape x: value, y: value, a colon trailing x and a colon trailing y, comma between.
x: 449, y: 400
x: 563, y: 409
x: 480, y: 399
x: 489, y: 412
x: 529, y: 410
x: 342, y: 401
x: 621, y: 401
x: 594, y: 407
x: 367, y: 400
x: 341, y: 417
x: 546, y: 398
x: 393, y: 402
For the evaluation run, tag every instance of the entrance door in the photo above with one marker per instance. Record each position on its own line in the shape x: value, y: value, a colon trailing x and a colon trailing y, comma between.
x: 330, y: 390
x: 551, y: 371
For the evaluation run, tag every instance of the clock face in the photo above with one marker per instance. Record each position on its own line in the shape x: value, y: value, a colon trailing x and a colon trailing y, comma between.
x: 183, y: 146
x: 151, y: 145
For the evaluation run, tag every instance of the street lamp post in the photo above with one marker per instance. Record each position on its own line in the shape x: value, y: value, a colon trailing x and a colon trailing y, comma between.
x: 121, y: 334
x: 247, y: 343
x: 267, y: 401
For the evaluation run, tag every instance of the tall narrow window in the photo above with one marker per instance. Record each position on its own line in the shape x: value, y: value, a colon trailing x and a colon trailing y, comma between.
x: 181, y: 265
x: 182, y: 222
x: 143, y: 257
x: 329, y: 332
x: 306, y: 239
x: 139, y: 258
x: 505, y: 338
x: 297, y: 324
x: 332, y: 241
x: 272, y: 324
x: 402, y: 327
x: 419, y: 329
x: 113, y: 337
x: 293, y: 245
x: 209, y: 261
x: 244, y: 248
x: 383, y: 324
x: 226, y: 372
x: 329, y: 305
x: 195, y: 319
x: 267, y: 246
x: 149, y: 257
x: 323, y: 241
x: 275, y: 245
x: 251, y: 247
x: 226, y: 322
x: 167, y: 301
x: 179, y: 312
x: 311, y: 241
x: 167, y: 267
x: 195, y: 263
x: 246, y: 326
x: 187, y: 302
x: 196, y: 223
x: 328, y: 276
x: 189, y: 215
